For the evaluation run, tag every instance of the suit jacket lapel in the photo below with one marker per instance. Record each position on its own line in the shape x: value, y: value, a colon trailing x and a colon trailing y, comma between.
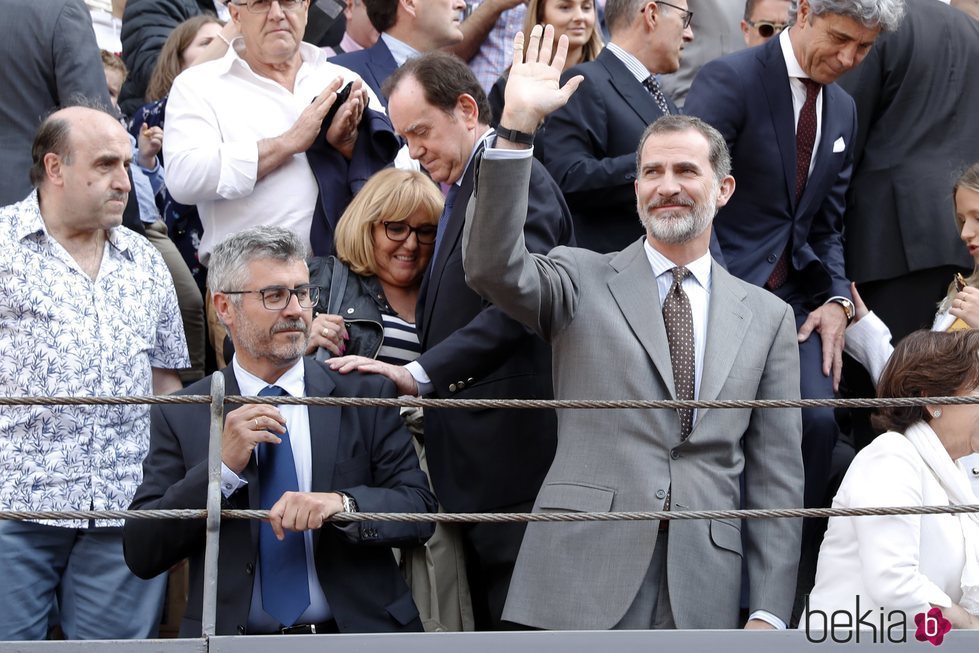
x: 381, y: 64
x: 453, y: 232
x: 324, y: 430
x: 727, y: 324
x: 631, y: 91
x: 634, y: 290
x: 816, y: 186
x: 775, y: 81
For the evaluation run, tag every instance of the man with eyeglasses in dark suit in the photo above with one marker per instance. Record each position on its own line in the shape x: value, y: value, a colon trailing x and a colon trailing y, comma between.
x: 298, y: 573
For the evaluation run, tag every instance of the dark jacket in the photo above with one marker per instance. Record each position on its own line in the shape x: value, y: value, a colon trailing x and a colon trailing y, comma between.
x: 146, y: 24
x: 361, y: 307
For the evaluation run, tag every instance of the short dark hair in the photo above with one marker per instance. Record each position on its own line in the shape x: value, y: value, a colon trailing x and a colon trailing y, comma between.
x: 382, y: 14
x: 53, y: 136
x: 443, y: 77
x: 718, y: 154
x: 749, y: 8
x: 927, y: 364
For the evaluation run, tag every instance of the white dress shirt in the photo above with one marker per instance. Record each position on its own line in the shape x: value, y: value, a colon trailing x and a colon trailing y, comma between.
x: 297, y: 421
x: 796, y: 75
x: 217, y: 113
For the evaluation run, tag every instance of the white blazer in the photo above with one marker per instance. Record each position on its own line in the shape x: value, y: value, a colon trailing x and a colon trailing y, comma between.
x: 895, y: 562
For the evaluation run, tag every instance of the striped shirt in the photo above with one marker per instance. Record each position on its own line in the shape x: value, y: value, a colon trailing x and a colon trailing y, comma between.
x: 400, y: 344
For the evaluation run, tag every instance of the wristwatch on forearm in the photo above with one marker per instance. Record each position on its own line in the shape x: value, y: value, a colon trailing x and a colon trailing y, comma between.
x: 847, y: 305
x: 349, y: 503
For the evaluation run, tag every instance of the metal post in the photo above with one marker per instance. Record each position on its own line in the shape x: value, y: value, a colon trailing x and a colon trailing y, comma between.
x: 209, y: 608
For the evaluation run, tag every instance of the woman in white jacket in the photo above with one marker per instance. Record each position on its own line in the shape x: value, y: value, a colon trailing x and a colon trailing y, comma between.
x: 911, y: 563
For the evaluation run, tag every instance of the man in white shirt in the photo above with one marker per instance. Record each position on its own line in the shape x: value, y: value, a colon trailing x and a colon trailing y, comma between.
x: 88, y: 309
x: 239, y: 128
x: 658, y: 320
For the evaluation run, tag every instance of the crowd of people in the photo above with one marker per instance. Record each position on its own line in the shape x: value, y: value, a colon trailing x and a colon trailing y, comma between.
x: 572, y: 199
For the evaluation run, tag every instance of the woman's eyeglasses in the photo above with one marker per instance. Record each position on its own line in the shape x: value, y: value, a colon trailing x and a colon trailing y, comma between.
x: 399, y: 232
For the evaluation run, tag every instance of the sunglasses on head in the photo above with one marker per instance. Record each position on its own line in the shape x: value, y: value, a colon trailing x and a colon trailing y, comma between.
x: 767, y: 29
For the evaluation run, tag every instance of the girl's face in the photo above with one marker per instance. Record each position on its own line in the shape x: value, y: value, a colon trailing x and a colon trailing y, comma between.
x: 207, y: 33
x: 576, y: 18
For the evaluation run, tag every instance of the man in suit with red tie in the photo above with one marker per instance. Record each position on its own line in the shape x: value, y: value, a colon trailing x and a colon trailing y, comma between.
x: 791, y: 132
x: 296, y: 573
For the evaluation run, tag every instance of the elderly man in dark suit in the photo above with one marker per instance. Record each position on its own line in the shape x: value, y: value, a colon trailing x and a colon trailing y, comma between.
x: 791, y: 131
x: 296, y: 574
x: 658, y: 320
x: 589, y: 145
x: 49, y: 58
x: 478, y: 460
x: 408, y: 28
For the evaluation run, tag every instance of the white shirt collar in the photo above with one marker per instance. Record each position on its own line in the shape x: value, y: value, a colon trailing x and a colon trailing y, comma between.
x: 639, y: 71
x: 791, y: 63
x: 400, y: 51
x: 699, y: 268
x: 292, y: 381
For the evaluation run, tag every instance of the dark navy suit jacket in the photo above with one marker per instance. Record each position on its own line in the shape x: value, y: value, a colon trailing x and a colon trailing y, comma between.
x: 589, y: 147
x: 374, y: 64
x: 366, y: 452
x: 746, y: 96
x: 485, y: 459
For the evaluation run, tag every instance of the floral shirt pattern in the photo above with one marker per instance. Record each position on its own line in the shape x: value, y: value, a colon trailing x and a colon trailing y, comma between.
x: 63, y: 334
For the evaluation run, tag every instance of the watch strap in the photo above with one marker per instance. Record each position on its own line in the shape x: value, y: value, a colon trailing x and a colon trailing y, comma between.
x: 515, y: 136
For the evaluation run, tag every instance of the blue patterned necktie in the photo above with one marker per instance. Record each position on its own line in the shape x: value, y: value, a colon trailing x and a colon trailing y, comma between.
x: 285, y: 582
x: 450, y: 199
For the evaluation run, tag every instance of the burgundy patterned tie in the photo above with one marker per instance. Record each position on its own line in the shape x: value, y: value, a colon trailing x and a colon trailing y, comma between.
x: 805, y: 141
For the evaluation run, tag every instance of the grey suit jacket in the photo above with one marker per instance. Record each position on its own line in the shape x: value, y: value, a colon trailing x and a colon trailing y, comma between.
x: 601, y: 314
x: 49, y: 56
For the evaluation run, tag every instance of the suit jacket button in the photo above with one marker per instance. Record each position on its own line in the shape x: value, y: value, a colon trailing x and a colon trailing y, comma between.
x: 250, y: 568
x: 241, y: 629
x: 470, y: 380
x: 452, y: 387
x: 660, y: 494
x: 772, y: 258
x: 674, y: 454
x: 461, y: 384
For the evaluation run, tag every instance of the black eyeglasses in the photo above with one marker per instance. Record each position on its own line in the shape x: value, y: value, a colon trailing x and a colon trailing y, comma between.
x: 275, y: 298
x: 399, y: 232
x: 687, y: 14
x: 766, y: 29
x: 263, y: 6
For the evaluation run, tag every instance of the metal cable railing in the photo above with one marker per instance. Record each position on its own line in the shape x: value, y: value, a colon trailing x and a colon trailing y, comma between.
x: 214, y: 514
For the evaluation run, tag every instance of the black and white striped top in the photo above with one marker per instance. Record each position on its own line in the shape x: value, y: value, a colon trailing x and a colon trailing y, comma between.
x: 400, y: 344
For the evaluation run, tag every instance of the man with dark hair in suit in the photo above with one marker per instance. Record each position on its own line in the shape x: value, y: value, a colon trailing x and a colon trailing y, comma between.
x: 479, y: 460
x: 297, y: 573
x: 589, y: 145
x: 658, y: 320
x: 764, y: 20
x: 791, y: 131
x: 408, y: 28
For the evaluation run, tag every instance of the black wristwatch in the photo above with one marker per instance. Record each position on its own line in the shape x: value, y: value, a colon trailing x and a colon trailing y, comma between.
x: 515, y: 136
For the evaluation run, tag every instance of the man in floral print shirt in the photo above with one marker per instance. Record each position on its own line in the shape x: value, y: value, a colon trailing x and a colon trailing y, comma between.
x: 86, y: 308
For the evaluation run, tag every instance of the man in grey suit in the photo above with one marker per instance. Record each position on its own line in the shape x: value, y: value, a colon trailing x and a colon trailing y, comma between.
x: 49, y: 59
x: 715, y: 338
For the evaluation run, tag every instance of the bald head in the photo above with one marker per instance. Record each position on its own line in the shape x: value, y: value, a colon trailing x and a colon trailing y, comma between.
x: 80, y: 167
